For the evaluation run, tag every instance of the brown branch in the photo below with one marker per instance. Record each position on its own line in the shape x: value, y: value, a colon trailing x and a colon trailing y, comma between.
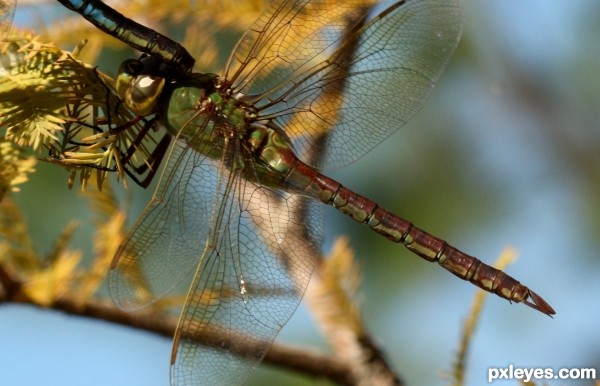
x: 304, y: 360
x: 331, y: 299
x: 9, y: 287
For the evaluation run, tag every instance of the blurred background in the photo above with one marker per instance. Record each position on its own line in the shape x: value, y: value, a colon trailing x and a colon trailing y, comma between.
x: 505, y: 153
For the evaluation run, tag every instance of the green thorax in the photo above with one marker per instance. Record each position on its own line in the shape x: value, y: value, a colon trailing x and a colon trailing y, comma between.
x: 218, y: 124
x: 198, y: 106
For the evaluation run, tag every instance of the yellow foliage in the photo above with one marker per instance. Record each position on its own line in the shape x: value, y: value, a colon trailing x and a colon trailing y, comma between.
x: 508, y: 256
x: 45, y: 286
x: 14, y: 167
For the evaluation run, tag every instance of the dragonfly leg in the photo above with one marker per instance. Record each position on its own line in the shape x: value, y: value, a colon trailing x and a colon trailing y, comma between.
x: 152, y: 163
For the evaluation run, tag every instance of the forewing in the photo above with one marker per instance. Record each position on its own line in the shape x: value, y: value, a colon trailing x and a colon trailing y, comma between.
x: 7, y: 12
x: 166, y: 242
x: 345, y: 70
x: 251, y: 277
x: 288, y: 38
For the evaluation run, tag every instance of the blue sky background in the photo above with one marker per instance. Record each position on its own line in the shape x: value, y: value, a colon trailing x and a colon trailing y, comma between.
x: 480, y: 166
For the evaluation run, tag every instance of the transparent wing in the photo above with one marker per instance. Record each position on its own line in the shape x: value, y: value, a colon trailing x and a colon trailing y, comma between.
x: 164, y: 245
x: 7, y: 12
x: 344, y: 68
x: 251, y: 277
x: 249, y: 249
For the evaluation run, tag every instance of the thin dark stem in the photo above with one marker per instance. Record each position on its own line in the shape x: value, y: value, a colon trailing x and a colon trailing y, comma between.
x: 307, y: 361
x: 9, y: 287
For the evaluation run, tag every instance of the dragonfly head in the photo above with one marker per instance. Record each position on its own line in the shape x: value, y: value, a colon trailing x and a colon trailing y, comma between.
x: 140, y: 83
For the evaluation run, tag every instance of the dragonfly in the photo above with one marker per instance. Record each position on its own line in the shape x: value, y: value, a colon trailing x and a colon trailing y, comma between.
x: 98, y: 137
x: 238, y: 210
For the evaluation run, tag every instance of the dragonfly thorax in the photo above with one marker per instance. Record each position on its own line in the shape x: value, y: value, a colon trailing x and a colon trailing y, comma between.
x: 215, y: 121
x: 201, y: 106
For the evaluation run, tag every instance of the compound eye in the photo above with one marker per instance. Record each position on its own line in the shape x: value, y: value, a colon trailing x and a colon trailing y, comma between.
x: 128, y: 70
x: 140, y: 83
x: 143, y: 93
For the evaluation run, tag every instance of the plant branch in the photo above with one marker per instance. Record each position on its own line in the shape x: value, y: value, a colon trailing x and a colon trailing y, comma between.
x: 304, y: 360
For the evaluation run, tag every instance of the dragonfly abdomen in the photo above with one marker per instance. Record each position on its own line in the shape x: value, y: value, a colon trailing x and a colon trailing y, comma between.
x: 425, y: 245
